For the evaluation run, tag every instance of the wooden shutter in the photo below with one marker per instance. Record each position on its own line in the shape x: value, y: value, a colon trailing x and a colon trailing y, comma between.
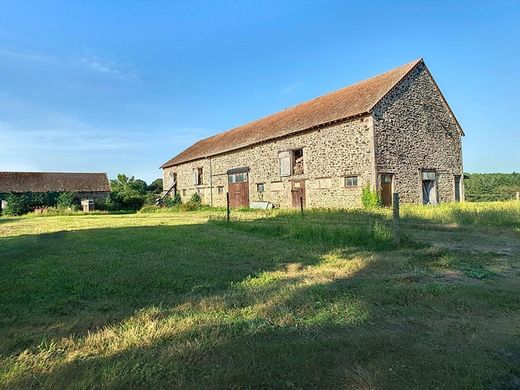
x: 284, y: 160
x: 195, y: 178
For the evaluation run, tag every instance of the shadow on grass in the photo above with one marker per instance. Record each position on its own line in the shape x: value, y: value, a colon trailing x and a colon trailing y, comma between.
x: 245, y: 306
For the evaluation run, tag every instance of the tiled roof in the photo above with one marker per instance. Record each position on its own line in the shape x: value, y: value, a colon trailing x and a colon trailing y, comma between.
x: 53, y: 182
x: 352, y: 101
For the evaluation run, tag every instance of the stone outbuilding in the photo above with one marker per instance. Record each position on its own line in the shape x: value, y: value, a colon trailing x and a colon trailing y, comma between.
x: 87, y: 185
x: 394, y: 132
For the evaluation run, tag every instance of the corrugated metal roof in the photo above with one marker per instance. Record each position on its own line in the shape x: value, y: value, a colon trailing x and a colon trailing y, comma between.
x: 348, y: 102
x: 53, y: 182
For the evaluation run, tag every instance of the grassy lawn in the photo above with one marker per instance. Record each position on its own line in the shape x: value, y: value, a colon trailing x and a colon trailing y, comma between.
x: 272, y: 300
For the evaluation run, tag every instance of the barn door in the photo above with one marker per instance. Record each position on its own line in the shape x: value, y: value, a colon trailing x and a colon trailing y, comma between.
x: 386, y: 189
x: 238, y: 188
x: 429, y: 187
x: 298, y: 193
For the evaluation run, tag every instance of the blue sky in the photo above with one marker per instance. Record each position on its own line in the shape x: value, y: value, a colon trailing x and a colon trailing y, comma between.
x: 122, y: 86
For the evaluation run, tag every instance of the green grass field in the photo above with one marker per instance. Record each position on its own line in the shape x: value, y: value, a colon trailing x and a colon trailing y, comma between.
x: 271, y: 300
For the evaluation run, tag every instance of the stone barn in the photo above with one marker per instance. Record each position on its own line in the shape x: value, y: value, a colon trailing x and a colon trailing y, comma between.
x: 394, y: 132
x: 87, y: 185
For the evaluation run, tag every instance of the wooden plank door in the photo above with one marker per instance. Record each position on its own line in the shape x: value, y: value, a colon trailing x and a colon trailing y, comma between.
x: 298, y: 193
x: 239, y: 194
x: 386, y: 189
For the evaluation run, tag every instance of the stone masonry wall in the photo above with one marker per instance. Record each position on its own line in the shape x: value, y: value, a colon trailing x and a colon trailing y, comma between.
x: 330, y: 154
x: 414, y: 130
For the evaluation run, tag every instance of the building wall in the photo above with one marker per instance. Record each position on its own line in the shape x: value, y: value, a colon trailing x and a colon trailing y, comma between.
x: 93, y: 195
x: 330, y: 154
x: 415, y: 130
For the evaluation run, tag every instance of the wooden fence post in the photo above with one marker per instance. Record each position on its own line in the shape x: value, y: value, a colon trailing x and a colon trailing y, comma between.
x: 395, y: 218
x: 301, y: 204
x: 227, y: 207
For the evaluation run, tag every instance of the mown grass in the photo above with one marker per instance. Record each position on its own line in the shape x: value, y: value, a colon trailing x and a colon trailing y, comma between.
x: 271, y: 300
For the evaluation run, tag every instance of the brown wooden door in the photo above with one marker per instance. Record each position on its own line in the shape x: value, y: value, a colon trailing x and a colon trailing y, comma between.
x: 298, y: 193
x: 239, y: 194
x: 386, y: 189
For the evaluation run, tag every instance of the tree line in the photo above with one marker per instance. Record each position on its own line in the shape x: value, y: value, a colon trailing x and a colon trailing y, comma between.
x: 488, y: 187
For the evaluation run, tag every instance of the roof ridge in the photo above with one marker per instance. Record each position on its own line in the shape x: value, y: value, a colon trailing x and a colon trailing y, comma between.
x: 415, y: 62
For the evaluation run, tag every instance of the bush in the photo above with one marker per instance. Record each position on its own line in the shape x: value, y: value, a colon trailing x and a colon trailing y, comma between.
x: 370, y: 198
x: 196, y: 199
x: 193, y: 204
x: 190, y: 206
x: 173, y: 201
x: 67, y: 200
x: 17, y: 204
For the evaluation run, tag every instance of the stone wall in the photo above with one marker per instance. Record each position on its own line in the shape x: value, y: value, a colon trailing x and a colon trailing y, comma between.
x: 330, y: 154
x: 99, y: 196
x: 415, y: 130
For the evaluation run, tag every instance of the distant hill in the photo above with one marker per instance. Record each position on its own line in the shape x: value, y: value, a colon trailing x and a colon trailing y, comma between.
x: 481, y: 187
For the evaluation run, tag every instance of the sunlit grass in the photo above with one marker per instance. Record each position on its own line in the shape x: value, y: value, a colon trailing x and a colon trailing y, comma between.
x: 505, y: 214
x: 274, y: 299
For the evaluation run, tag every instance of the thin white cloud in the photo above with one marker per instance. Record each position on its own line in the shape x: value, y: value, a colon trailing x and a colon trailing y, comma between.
x: 291, y: 88
x: 108, y: 67
x: 25, y: 55
x: 35, y: 137
x: 87, y: 62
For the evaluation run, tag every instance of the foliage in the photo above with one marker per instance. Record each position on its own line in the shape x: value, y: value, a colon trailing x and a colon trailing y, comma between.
x: 67, y: 200
x: 173, y: 201
x: 480, y: 187
x: 127, y: 192
x: 140, y: 186
x: 193, y: 204
x: 25, y: 202
x: 17, y: 204
x: 155, y: 186
x: 370, y: 198
x: 196, y: 199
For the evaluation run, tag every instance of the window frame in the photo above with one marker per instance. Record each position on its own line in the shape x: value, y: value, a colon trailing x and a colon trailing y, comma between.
x: 287, y: 162
x: 243, y: 177
x: 349, y: 177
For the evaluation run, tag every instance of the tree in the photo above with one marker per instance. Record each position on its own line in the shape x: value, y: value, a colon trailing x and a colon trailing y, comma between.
x: 17, y: 204
x: 155, y: 186
x: 128, y: 192
x: 67, y: 200
x: 140, y: 186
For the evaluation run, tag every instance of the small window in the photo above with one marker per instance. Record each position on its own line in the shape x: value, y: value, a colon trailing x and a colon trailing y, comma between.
x: 297, y: 161
x: 386, y: 178
x: 220, y: 189
x: 428, y: 175
x: 183, y: 192
x: 197, y: 176
x: 351, y: 181
x: 291, y: 162
x: 260, y: 187
x: 284, y: 162
x: 237, y: 177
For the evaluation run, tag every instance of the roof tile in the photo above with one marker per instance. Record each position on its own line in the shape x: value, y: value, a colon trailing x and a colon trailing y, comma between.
x: 53, y: 182
x: 348, y: 102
